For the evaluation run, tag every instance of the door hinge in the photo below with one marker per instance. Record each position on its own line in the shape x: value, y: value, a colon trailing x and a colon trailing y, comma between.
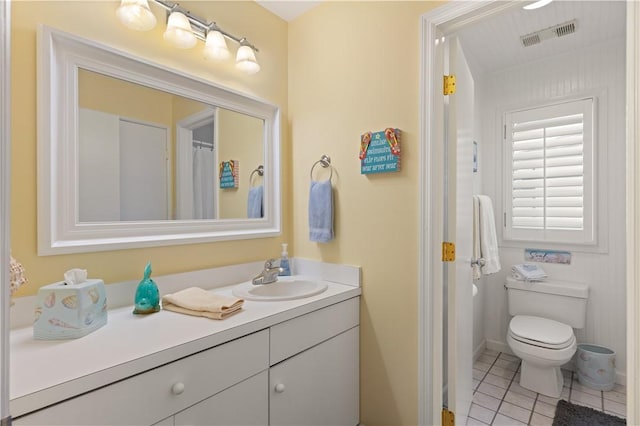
x: 449, y: 84
x: 448, y: 418
x: 448, y: 252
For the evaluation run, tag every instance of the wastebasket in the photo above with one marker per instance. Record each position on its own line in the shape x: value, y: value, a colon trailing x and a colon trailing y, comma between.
x: 596, y: 366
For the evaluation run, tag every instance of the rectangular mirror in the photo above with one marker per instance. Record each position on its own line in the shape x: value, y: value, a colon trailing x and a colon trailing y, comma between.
x: 132, y: 154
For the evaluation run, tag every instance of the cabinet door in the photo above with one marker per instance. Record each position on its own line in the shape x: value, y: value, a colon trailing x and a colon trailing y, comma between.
x: 319, y: 386
x: 241, y: 405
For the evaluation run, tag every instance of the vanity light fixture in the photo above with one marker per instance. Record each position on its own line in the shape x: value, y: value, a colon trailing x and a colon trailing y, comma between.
x: 135, y: 14
x: 184, y: 29
x: 246, y: 59
x: 215, y: 46
x: 178, y: 31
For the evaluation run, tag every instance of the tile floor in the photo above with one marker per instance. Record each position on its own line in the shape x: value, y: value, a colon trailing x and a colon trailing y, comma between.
x: 498, y: 399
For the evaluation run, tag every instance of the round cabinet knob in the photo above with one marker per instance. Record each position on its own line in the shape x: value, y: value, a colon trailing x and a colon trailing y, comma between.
x: 177, y: 388
x: 279, y: 388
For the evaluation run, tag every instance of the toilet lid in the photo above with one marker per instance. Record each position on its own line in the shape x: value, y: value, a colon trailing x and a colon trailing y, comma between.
x: 541, y: 332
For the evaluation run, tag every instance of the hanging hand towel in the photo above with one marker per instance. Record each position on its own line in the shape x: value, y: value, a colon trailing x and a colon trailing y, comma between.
x: 488, y: 238
x: 321, y: 211
x: 198, y: 302
x: 254, y: 203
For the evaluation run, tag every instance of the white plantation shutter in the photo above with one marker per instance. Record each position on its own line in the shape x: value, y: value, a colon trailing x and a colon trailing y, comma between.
x: 549, y: 173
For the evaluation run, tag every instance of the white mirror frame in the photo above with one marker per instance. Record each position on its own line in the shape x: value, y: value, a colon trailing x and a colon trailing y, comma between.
x: 59, y: 56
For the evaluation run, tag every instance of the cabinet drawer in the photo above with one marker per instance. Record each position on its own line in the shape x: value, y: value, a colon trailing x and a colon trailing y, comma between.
x: 152, y: 396
x: 294, y: 336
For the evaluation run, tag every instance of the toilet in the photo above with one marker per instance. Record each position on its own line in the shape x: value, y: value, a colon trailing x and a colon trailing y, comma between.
x: 541, y: 330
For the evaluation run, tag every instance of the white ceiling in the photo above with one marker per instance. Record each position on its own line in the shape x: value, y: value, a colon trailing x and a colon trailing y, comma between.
x: 494, y: 43
x: 290, y: 9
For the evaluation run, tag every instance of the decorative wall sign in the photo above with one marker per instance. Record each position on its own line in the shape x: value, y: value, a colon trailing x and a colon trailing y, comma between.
x: 547, y: 256
x: 229, y: 174
x: 380, y: 151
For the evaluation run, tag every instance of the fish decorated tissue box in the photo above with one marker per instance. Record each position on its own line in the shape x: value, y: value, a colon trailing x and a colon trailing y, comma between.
x: 71, y: 308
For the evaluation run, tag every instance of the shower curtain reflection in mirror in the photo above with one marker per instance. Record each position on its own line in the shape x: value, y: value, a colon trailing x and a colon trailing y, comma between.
x: 204, y: 177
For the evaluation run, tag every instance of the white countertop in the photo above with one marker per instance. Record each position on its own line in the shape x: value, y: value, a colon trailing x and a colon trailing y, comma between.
x: 46, y: 372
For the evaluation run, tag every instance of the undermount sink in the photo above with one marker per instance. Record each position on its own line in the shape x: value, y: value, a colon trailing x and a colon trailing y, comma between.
x: 286, y: 288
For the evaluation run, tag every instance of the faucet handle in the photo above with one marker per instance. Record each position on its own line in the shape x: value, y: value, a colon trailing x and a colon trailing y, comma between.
x: 269, y: 264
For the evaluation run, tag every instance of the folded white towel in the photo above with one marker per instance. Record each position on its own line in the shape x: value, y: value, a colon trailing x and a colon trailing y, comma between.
x: 528, y: 272
x: 488, y: 237
x: 199, y: 302
x: 321, y: 211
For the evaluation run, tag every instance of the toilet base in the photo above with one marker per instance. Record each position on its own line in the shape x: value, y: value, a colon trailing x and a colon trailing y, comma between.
x: 545, y: 380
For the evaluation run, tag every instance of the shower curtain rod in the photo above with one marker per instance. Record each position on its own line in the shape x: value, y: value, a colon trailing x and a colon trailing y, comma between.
x: 201, y: 144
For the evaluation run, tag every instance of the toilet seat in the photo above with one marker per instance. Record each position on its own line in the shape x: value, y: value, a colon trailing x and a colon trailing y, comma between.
x: 541, y: 332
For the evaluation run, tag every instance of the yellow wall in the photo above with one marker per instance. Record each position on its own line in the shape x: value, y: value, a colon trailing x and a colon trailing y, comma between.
x: 118, y: 97
x: 239, y: 138
x: 354, y: 67
x: 96, y: 20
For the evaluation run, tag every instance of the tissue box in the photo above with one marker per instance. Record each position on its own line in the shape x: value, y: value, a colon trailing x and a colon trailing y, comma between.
x: 69, y: 311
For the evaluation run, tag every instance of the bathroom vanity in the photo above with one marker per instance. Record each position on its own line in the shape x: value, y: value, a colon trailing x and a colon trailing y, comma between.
x: 276, y: 363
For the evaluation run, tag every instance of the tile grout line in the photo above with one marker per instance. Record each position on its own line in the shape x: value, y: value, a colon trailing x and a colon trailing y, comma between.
x: 535, y: 401
x: 570, y: 389
x: 482, y: 381
x: 505, y: 392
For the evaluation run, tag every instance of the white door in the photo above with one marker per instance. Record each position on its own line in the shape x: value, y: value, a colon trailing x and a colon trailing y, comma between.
x: 459, y: 214
x: 143, y: 172
x: 98, y: 166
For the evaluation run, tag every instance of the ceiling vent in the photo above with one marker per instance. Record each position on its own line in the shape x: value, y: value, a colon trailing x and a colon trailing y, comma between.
x: 556, y: 31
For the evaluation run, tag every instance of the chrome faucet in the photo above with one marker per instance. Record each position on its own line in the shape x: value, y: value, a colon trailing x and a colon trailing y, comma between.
x: 268, y: 275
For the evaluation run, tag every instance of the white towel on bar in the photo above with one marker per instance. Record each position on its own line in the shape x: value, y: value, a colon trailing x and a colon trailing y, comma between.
x: 476, y: 252
x: 488, y: 237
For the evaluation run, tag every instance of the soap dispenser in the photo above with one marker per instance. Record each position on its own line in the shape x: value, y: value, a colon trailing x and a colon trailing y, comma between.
x: 285, y: 268
x: 147, y: 300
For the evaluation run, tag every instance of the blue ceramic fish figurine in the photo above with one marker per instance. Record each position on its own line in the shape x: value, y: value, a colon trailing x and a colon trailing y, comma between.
x: 147, y: 295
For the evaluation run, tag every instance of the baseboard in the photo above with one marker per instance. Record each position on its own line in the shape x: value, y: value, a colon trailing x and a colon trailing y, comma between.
x: 498, y: 346
x: 478, y: 351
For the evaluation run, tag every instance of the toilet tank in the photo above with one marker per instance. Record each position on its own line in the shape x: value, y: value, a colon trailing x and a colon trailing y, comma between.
x: 557, y: 300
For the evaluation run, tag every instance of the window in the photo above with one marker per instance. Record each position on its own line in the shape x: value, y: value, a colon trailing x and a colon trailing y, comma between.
x: 549, y: 179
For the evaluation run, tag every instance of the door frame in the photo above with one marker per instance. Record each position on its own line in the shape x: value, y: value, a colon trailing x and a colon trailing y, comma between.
x: 5, y: 187
x: 430, y: 312
x: 184, y: 160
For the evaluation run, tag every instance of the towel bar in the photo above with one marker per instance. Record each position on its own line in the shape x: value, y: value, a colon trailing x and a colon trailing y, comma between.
x: 259, y: 170
x: 324, y: 161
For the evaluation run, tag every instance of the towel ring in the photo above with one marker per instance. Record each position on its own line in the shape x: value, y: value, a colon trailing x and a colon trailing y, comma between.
x: 259, y: 170
x: 324, y: 161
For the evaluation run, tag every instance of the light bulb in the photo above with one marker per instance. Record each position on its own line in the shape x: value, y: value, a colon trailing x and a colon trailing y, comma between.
x: 135, y: 14
x: 537, y: 5
x: 246, y: 60
x: 215, y: 46
x: 178, y: 31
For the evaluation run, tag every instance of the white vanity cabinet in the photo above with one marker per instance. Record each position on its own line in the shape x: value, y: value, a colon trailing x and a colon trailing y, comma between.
x: 300, y: 371
x: 149, y: 397
x: 314, y: 374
